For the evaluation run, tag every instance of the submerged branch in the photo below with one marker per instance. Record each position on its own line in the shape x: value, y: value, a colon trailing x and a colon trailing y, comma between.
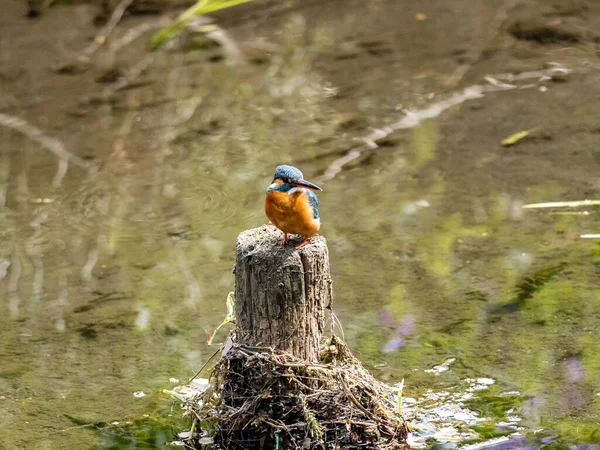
x: 495, y: 27
x: 37, y: 135
x: 414, y: 118
x: 114, y: 20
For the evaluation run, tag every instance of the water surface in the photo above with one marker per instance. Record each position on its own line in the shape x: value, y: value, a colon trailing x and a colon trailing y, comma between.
x: 113, y: 266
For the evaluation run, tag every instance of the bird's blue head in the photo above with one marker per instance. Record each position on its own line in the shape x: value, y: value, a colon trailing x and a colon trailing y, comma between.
x: 289, y: 177
x: 287, y: 172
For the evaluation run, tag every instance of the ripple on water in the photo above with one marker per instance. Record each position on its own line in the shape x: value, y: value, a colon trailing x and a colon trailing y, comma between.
x: 185, y: 210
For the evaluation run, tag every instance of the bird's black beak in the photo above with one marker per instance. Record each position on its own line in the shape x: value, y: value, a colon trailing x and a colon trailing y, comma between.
x: 305, y: 184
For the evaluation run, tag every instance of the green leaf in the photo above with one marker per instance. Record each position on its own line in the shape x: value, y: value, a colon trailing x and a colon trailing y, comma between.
x: 201, y: 7
x: 399, y: 397
x: 514, y: 138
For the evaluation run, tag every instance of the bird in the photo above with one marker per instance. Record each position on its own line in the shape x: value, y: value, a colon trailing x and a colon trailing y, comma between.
x: 291, y: 205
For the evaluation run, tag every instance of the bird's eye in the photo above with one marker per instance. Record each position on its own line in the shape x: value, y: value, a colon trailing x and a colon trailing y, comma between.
x: 285, y: 180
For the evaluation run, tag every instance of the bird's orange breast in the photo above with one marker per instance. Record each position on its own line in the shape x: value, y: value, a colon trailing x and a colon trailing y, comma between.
x: 291, y: 213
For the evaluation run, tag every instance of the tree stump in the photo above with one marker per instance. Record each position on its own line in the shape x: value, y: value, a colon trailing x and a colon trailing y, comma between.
x: 281, y: 292
x: 273, y: 387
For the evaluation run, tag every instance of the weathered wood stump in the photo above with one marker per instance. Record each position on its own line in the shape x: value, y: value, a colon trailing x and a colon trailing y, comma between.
x: 281, y: 292
x: 274, y: 388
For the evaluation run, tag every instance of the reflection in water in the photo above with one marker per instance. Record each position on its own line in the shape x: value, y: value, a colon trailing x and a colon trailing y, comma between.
x: 52, y: 144
x: 193, y: 289
x: 111, y: 267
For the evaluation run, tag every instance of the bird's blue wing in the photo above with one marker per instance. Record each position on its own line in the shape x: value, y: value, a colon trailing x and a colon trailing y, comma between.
x: 314, y: 203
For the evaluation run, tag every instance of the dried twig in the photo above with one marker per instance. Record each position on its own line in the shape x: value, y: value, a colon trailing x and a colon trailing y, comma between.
x: 350, y: 395
x: 261, y: 394
x: 205, y: 364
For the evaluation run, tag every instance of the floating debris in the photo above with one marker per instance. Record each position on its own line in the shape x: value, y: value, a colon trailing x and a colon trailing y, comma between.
x: 569, y: 213
x: 41, y: 201
x: 571, y: 204
x: 441, y: 368
x: 486, y: 444
x: 445, y: 417
x: 509, y: 393
x: 139, y: 394
x: 201, y: 384
x: 514, y: 138
x: 189, y: 392
x: 415, y: 441
x: 448, y: 434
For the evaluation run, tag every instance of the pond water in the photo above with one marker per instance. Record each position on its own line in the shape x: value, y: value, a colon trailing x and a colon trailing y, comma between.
x: 126, y: 177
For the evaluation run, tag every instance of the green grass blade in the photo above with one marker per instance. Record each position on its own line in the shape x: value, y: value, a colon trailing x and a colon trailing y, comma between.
x: 230, y: 303
x: 573, y: 204
x: 201, y: 7
x: 399, y: 397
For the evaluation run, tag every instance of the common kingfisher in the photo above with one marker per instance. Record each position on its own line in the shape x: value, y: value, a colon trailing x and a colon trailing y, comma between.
x: 291, y: 204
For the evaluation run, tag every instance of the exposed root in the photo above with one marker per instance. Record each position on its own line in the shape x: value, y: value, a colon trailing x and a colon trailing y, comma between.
x: 258, y: 398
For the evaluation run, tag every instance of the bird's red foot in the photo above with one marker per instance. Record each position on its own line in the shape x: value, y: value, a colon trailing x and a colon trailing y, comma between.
x: 302, y: 244
x: 285, y: 239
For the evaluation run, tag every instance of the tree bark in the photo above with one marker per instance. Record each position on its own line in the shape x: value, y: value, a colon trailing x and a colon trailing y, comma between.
x: 281, y: 292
